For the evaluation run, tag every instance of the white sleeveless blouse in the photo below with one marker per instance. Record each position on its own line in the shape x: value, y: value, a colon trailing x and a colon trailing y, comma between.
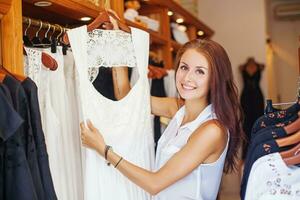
x: 202, y: 183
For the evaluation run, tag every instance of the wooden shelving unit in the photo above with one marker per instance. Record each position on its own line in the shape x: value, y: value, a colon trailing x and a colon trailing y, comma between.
x: 68, y: 13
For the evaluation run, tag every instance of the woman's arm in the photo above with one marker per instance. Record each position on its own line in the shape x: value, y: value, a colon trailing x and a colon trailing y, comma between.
x: 205, y: 145
x: 160, y: 106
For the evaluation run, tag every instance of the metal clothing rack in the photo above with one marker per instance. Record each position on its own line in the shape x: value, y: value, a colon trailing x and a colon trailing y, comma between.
x: 46, y: 25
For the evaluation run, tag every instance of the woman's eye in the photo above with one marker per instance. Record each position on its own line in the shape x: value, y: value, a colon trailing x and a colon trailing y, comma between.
x: 199, y: 71
x: 183, y: 67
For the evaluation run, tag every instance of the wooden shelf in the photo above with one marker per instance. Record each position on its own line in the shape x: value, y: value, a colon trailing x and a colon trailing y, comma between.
x: 155, y: 37
x: 189, y: 19
x: 175, y: 45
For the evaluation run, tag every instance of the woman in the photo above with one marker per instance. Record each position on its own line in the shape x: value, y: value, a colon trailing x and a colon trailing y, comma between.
x: 203, y: 136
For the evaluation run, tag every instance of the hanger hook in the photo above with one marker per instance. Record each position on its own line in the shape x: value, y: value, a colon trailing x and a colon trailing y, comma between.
x: 61, y: 31
x: 29, y: 23
x: 49, y: 27
x: 54, y: 29
x: 41, y: 25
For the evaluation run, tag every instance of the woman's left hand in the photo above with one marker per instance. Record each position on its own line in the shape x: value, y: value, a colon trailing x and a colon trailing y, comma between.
x: 91, y: 137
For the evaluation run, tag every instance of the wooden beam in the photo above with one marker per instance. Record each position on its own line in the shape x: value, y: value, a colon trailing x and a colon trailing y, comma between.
x: 5, y: 6
x: 11, y: 37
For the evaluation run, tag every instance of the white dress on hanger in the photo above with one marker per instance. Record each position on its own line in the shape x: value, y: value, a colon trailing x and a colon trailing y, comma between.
x: 50, y: 123
x: 124, y: 124
x: 70, y: 140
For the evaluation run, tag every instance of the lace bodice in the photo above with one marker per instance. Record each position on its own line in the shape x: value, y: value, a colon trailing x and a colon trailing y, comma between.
x: 116, y: 49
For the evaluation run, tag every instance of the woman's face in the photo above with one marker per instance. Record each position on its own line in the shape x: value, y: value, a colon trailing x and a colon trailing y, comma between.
x: 193, y: 75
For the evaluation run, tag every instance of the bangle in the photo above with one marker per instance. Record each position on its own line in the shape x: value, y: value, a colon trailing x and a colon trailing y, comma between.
x: 107, y: 147
x: 118, y: 162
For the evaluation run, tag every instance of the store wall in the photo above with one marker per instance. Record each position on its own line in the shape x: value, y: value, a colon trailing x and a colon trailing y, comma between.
x: 240, y: 27
x: 284, y: 35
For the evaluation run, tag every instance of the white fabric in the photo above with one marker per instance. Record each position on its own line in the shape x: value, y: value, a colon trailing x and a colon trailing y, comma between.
x: 124, y: 124
x: 107, y: 48
x: 62, y: 109
x: 270, y: 177
x: 169, y: 83
x: 50, y: 122
x: 71, y: 85
x: 179, y: 35
x: 203, y: 182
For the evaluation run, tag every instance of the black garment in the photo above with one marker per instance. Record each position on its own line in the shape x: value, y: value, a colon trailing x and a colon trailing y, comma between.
x: 104, y: 83
x: 252, y: 102
x: 158, y: 90
x: 254, y: 153
x: 283, y: 116
x: 10, y: 121
x: 22, y: 178
x: 41, y: 150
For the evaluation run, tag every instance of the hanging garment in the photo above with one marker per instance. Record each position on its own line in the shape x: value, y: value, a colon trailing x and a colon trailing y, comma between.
x: 19, y: 164
x: 70, y: 142
x: 260, y: 150
x: 124, y: 124
x: 71, y: 79
x: 41, y: 149
x: 279, y: 118
x: 50, y: 123
x: 10, y: 122
x: 271, y: 176
x: 203, y: 182
x: 169, y: 82
x: 252, y: 103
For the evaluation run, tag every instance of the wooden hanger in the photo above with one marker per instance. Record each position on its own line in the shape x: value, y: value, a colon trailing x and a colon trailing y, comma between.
x: 294, y: 160
x: 103, y: 21
x: 291, y: 152
x: 2, y: 77
x: 293, y: 127
x: 5, y: 72
x: 289, y: 140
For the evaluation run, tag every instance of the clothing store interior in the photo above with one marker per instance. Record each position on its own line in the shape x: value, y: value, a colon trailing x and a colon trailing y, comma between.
x: 57, y: 69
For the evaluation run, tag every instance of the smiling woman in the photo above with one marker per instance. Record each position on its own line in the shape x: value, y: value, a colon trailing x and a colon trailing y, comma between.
x: 203, y: 136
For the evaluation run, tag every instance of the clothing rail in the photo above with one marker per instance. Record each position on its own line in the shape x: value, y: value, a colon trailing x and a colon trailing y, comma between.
x: 39, y: 23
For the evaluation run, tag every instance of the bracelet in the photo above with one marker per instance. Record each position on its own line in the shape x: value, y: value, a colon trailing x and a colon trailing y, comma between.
x: 118, y: 162
x: 107, y: 147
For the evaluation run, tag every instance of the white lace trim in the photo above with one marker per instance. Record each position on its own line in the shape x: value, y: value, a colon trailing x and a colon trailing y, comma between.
x: 110, y: 48
x: 33, y: 63
x: 93, y: 73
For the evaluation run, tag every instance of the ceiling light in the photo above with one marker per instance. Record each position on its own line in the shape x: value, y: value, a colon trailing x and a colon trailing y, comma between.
x: 85, y: 19
x: 42, y: 3
x: 179, y: 20
x: 200, y: 33
x: 170, y: 13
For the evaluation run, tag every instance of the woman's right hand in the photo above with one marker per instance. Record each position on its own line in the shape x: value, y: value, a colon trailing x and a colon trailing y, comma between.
x: 92, y: 138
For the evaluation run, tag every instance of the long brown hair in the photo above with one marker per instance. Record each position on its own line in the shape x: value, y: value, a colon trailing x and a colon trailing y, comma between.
x: 222, y: 95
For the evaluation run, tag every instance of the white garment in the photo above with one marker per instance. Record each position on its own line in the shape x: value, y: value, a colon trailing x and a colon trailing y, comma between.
x: 124, y: 124
x: 61, y: 107
x: 203, y: 182
x: 270, y: 177
x: 71, y: 84
x: 170, y: 85
x: 50, y: 122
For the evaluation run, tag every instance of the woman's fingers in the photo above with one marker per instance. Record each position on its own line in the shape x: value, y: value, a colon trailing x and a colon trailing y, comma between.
x: 91, y: 126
